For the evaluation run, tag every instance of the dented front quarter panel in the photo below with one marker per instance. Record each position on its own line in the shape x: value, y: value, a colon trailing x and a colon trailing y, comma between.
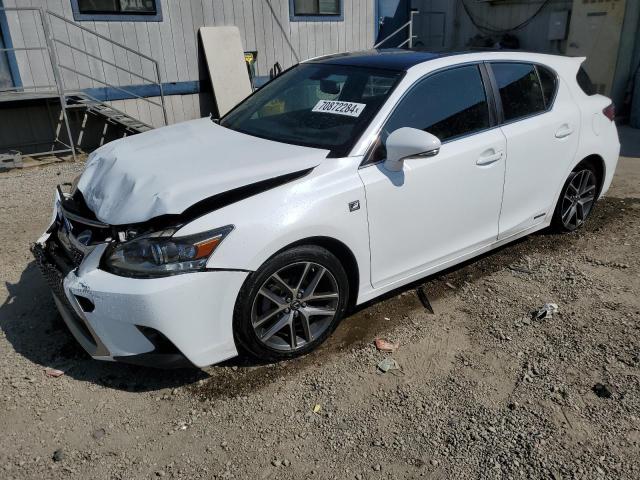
x: 316, y: 205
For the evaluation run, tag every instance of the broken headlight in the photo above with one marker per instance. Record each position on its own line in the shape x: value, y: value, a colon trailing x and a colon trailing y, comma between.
x: 160, y: 254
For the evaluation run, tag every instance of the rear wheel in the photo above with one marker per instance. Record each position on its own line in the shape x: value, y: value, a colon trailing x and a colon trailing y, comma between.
x: 577, y: 199
x: 291, y: 304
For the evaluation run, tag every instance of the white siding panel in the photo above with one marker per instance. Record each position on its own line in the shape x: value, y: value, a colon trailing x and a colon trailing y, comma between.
x: 265, y: 26
x: 189, y: 40
x: 177, y: 39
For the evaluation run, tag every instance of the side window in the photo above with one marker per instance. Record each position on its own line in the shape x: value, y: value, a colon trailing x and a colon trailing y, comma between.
x: 447, y: 104
x: 520, y: 89
x: 549, y: 83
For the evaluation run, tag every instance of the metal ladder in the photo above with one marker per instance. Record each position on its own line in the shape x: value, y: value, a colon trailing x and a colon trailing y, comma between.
x: 111, y: 114
x: 79, y: 71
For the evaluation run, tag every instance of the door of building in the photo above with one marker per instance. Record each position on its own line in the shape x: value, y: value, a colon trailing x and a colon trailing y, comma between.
x: 6, y: 81
x: 391, y: 15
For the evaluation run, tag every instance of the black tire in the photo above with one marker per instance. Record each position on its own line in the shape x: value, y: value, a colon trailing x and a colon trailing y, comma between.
x: 557, y: 223
x: 247, y: 302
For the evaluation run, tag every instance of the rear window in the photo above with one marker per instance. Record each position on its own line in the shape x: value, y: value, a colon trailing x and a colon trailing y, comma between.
x: 520, y: 90
x: 585, y: 82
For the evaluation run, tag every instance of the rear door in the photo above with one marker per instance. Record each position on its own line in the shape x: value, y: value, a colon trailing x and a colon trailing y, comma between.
x: 541, y: 124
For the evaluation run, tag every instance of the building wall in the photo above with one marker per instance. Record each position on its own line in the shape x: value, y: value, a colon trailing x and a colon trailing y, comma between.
x: 265, y: 26
x: 445, y: 23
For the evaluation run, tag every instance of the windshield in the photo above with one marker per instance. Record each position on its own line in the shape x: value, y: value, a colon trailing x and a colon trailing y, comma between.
x: 315, y: 105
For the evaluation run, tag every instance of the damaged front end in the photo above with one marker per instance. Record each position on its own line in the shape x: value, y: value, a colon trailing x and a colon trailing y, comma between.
x: 76, y: 243
x: 130, y: 287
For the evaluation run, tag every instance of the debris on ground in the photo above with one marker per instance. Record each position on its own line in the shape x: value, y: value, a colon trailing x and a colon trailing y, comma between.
x: 317, y: 408
x: 98, y: 434
x: 516, y: 268
x: 388, y: 364
x: 58, y: 455
x: 53, y: 372
x: 422, y: 295
x: 546, y: 311
x: 385, y: 345
x: 602, y: 390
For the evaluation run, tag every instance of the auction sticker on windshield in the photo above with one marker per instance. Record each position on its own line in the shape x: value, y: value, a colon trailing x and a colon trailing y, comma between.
x: 339, y: 108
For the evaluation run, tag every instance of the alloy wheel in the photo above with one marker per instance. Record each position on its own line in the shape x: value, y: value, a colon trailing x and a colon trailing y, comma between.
x: 295, y: 306
x: 578, y: 199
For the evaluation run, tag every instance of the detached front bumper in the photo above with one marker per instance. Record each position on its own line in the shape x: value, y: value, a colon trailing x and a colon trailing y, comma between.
x: 158, y: 322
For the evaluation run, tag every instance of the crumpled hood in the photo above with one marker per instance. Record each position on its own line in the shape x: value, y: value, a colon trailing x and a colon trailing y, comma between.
x: 165, y: 171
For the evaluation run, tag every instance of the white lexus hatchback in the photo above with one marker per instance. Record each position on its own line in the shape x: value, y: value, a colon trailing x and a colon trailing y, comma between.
x: 343, y: 178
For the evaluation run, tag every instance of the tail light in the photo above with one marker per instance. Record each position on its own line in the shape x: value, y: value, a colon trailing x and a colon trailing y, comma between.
x: 610, y: 112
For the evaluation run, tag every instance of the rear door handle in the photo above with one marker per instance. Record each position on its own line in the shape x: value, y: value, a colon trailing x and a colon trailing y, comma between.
x: 564, y: 131
x: 489, y: 157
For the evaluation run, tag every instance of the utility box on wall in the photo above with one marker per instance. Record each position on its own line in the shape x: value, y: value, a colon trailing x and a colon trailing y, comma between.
x: 595, y: 33
x: 558, y: 25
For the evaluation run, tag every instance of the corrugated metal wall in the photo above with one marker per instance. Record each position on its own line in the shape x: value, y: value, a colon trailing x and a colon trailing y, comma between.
x: 265, y: 26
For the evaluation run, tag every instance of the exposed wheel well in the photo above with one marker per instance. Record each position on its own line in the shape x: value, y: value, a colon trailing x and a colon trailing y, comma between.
x: 343, y: 253
x: 598, y: 164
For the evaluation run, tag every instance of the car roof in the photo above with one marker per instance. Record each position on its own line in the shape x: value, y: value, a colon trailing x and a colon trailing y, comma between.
x: 401, y: 60
x: 387, y: 58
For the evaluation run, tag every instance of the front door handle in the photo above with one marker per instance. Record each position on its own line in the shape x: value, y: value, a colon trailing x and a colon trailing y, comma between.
x: 564, y: 131
x: 488, y: 158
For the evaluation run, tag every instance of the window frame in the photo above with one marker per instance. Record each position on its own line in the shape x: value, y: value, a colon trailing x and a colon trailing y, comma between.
x: 489, y: 92
x: 498, y: 99
x: 116, y: 17
x: 321, y: 17
x: 556, y: 85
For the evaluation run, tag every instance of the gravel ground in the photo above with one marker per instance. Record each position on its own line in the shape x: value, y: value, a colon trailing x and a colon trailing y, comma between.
x: 483, y: 390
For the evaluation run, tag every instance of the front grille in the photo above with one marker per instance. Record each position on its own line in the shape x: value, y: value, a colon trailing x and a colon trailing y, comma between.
x: 74, y: 255
x: 54, y: 276
x: 54, y: 270
x: 60, y: 244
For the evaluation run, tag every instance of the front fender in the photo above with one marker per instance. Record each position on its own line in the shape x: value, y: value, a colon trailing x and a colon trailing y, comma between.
x: 314, y: 206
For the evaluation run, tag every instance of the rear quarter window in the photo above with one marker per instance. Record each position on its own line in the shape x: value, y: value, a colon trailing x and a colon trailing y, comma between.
x: 585, y: 82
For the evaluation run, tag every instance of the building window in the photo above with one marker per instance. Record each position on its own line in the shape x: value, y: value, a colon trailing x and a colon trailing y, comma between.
x: 117, y: 10
x: 315, y: 10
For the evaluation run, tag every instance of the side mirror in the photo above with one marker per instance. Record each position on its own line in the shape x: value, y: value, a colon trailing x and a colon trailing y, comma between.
x: 409, y: 142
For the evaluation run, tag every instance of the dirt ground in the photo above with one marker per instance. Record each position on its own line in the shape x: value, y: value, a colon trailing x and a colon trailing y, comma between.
x: 484, y: 390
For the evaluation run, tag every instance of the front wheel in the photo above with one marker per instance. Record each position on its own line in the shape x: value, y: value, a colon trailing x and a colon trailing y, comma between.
x: 577, y: 199
x: 291, y: 304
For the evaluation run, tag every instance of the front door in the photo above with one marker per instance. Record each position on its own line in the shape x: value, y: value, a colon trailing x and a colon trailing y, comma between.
x: 439, y: 208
